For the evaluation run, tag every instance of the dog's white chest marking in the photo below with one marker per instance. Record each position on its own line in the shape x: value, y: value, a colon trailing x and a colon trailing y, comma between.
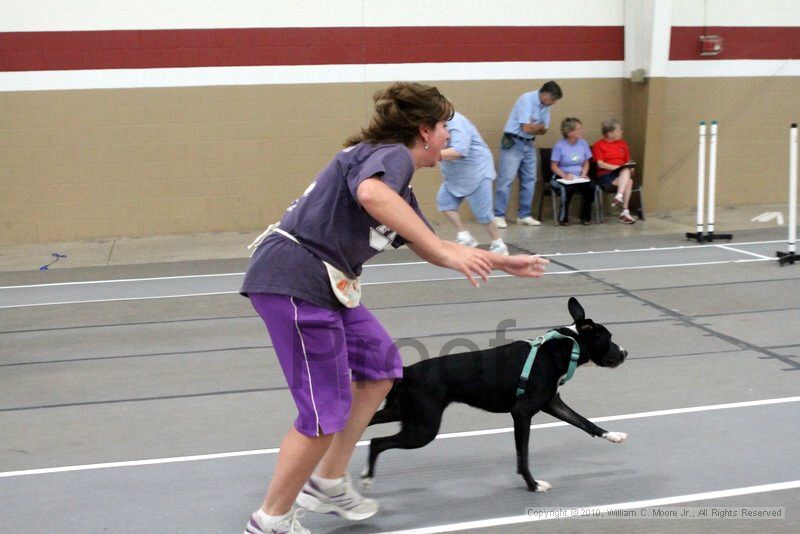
x: 573, y: 328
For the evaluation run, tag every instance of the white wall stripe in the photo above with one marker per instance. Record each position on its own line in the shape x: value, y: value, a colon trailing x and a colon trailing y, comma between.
x: 473, y: 433
x: 317, y: 74
x: 735, y: 13
x: 734, y: 68
x: 58, y: 15
x: 313, y: 74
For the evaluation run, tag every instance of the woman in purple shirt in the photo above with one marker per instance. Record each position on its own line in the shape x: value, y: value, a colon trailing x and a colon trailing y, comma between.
x: 569, y: 162
x: 338, y: 360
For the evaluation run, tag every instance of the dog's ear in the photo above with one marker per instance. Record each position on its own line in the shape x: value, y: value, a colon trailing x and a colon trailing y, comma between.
x: 576, y: 310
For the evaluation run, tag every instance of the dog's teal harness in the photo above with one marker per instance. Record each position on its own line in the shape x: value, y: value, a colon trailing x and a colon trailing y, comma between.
x: 538, y: 342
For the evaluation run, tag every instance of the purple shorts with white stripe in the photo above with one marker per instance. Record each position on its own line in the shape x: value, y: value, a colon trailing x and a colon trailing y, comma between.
x: 319, y: 350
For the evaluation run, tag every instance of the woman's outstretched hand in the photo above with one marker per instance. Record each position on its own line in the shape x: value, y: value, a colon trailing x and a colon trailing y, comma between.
x: 473, y: 263
x: 525, y: 265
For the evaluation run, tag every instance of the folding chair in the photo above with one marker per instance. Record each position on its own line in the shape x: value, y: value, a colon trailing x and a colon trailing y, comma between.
x: 599, y: 200
x: 544, y: 177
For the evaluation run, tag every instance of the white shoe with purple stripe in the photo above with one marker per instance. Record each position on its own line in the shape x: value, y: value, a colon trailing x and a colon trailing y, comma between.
x: 285, y: 524
x: 342, y: 499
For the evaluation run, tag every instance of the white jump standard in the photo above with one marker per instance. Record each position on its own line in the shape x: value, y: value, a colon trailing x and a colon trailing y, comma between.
x: 791, y: 255
x: 709, y: 235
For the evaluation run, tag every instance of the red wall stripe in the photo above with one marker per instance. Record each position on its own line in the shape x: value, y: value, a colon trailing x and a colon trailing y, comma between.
x: 739, y: 42
x: 132, y: 49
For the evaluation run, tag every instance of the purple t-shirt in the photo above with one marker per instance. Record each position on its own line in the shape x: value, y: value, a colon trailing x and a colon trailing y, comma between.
x: 570, y: 157
x: 331, y: 225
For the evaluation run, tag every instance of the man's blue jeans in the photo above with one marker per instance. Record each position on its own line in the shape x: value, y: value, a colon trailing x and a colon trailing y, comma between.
x: 520, y: 159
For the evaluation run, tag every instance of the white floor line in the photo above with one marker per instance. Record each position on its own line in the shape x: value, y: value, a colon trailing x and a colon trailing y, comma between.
x: 419, y: 280
x: 662, y: 266
x: 472, y: 433
x: 732, y: 249
x: 604, y: 508
x: 379, y: 265
x: 121, y: 299
x: 118, y: 280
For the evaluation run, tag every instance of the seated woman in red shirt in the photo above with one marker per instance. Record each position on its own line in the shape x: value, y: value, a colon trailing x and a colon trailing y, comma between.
x: 614, y: 167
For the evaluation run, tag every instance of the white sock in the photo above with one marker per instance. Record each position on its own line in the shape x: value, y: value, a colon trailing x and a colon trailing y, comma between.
x: 266, y: 519
x: 327, y: 483
x: 625, y: 212
x: 498, y: 242
x: 464, y: 235
x: 618, y: 197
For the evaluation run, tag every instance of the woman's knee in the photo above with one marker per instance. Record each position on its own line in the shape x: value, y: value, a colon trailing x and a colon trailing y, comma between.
x: 379, y: 387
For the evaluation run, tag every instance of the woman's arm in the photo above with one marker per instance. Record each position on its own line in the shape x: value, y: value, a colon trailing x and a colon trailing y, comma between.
x: 385, y: 205
x: 603, y: 165
x: 557, y: 170
x: 585, y: 169
x: 451, y: 154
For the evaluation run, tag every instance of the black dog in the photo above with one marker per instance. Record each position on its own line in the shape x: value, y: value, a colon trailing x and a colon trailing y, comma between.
x: 490, y: 380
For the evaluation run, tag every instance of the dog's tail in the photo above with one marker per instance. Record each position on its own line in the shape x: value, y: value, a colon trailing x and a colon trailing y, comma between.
x: 391, y: 408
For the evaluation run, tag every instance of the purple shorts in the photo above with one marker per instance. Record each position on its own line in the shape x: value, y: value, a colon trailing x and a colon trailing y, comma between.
x: 319, y: 350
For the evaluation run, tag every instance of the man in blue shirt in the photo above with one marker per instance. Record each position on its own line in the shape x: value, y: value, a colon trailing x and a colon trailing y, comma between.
x: 529, y: 117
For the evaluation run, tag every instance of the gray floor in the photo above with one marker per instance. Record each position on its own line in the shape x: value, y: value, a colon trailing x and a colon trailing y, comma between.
x: 141, y: 367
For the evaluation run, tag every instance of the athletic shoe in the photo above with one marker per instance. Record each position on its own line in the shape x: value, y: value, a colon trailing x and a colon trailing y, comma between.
x: 528, y: 221
x: 617, y: 202
x: 499, y: 248
x: 467, y: 241
x: 341, y: 499
x: 285, y: 524
x: 501, y: 222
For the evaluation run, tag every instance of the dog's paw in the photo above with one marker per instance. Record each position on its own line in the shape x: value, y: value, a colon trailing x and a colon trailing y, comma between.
x: 542, y: 486
x: 615, y: 437
x: 365, y: 481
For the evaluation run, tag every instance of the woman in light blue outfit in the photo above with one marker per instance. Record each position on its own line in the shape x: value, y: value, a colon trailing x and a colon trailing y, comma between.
x: 569, y: 162
x: 468, y: 170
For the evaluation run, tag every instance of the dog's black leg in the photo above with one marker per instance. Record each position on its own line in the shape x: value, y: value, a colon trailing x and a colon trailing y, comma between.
x: 557, y: 408
x: 415, y: 433
x: 522, y: 414
x: 386, y: 415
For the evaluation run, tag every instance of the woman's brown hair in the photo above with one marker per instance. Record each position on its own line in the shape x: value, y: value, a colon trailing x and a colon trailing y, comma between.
x: 569, y: 124
x: 400, y: 110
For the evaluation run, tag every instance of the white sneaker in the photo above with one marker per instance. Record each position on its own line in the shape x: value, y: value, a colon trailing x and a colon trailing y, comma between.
x: 341, y: 499
x: 467, y: 240
x: 499, y: 248
x: 528, y: 221
x: 285, y: 524
x: 501, y: 222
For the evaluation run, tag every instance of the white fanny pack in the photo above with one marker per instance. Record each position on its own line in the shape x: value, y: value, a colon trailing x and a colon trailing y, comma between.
x: 347, y: 290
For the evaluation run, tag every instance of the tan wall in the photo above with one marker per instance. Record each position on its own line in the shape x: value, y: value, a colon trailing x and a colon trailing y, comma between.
x: 141, y: 162
x: 754, y: 115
